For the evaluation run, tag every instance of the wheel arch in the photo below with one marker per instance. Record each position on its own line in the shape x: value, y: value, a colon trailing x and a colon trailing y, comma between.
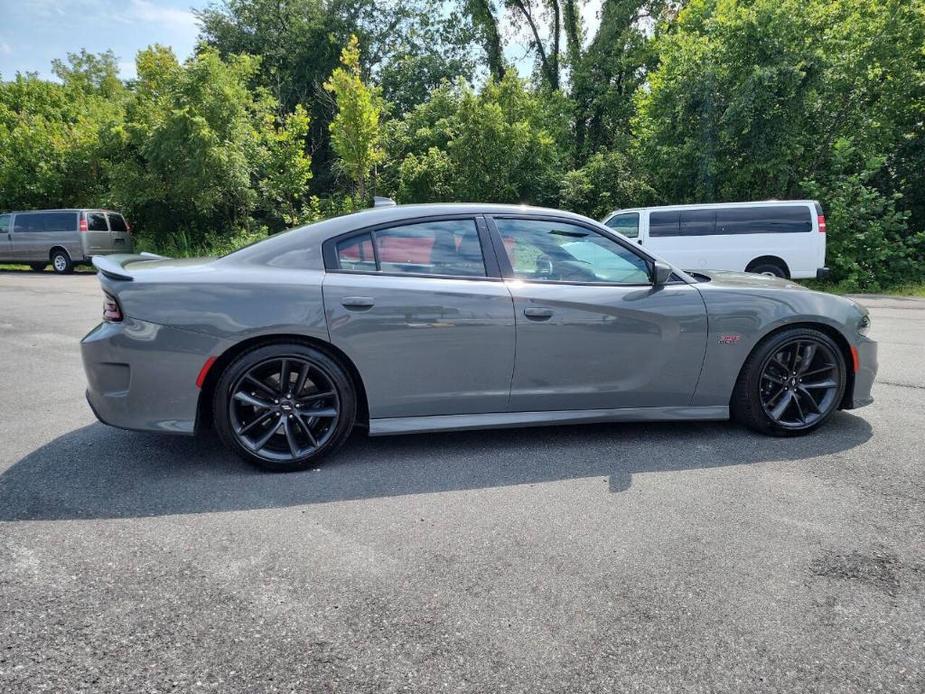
x: 837, y: 336
x: 204, y: 405
x: 769, y: 259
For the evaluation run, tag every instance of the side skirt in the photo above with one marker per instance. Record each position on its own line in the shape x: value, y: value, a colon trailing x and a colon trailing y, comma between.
x: 500, y: 420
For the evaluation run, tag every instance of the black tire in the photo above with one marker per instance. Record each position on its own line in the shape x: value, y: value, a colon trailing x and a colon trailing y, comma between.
x: 61, y: 262
x: 38, y: 267
x: 768, y: 267
x: 764, y: 374
x: 293, y: 438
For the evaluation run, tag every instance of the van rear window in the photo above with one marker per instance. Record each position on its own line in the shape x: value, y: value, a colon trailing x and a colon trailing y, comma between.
x: 45, y: 221
x: 117, y: 222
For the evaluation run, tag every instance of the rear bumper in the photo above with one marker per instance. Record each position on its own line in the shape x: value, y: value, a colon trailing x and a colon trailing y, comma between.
x: 860, y: 394
x: 142, y: 375
x: 822, y: 273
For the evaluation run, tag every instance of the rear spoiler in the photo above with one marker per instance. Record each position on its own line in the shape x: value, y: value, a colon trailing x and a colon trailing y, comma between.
x: 113, y: 266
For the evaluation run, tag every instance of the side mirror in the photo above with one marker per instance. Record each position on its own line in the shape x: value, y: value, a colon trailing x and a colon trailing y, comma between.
x: 661, y: 273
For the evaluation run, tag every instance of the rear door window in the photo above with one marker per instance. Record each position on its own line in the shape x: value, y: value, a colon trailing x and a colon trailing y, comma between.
x: 445, y: 247
x: 117, y: 222
x: 776, y: 219
x: 96, y: 221
x: 664, y: 223
x: 626, y: 224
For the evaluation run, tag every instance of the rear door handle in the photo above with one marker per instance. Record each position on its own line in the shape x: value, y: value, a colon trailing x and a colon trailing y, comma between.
x: 358, y: 303
x: 538, y: 313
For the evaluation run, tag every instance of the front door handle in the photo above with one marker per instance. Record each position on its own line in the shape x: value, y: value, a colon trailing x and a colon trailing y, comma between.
x: 358, y: 303
x: 538, y: 313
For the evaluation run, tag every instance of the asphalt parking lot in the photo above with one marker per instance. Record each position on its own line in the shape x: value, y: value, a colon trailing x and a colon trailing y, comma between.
x: 634, y: 557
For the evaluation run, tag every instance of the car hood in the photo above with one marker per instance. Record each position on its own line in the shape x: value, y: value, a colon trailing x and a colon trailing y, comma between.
x: 744, y: 280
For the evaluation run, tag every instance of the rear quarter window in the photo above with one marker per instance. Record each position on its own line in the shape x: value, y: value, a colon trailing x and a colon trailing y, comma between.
x: 777, y: 219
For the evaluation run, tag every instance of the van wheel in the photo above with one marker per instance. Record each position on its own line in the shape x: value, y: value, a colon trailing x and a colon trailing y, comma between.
x: 769, y: 268
x: 61, y: 262
x: 38, y: 267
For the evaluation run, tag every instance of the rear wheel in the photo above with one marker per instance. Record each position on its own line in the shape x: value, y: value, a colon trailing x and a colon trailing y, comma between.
x: 284, y: 406
x: 769, y: 268
x: 791, y: 384
x: 61, y: 262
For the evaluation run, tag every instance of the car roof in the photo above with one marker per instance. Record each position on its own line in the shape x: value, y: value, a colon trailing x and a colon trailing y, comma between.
x: 311, y: 236
x: 715, y: 205
x: 378, y: 215
x: 375, y: 216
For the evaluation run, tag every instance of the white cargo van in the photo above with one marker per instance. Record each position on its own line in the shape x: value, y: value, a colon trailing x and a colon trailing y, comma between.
x: 785, y: 238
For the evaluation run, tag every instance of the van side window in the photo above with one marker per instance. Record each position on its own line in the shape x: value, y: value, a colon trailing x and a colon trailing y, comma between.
x: 777, y: 219
x: 664, y: 223
x: 96, y: 221
x: 46, y: 221
x: 626, y: 224
x: 24, y: 222
x: 698, y: 222
x: 4, y: 223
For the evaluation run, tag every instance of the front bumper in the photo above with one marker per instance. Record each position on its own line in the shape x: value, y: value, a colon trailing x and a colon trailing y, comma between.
x: 142, y: 375
x: 860, y: 395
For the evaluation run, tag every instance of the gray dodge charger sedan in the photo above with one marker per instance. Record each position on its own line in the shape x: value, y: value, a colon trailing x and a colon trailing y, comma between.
x: 444, y: 317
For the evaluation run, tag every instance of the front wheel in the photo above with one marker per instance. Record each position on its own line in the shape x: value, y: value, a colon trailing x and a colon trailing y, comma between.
x: 284, y: 406
x: 791, y: 384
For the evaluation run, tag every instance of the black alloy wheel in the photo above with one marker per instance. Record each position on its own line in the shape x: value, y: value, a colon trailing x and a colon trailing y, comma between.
x: 282, y: 406
x: 791, y: 383
x: 799, y: 383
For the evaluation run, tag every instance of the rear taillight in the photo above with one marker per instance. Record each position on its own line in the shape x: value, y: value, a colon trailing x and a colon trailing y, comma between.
x: 83, y: 222
x: 111, y: 311
x: 822, y: 224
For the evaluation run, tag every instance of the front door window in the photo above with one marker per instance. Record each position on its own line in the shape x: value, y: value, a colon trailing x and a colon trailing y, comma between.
x: 557, y: 251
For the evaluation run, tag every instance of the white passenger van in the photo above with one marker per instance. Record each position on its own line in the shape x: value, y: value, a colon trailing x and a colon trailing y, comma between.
x: 785, y: 238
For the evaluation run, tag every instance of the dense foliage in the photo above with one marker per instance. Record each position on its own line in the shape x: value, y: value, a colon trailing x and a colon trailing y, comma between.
x: 298, y: 109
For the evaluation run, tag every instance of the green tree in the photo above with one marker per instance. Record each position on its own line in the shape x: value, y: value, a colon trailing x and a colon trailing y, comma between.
x: 51, y: 134
x: 355, y: 128
x: 502, y: 144
x: 764, y: 99
x: 606, y: 182
x: 204, y: 153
